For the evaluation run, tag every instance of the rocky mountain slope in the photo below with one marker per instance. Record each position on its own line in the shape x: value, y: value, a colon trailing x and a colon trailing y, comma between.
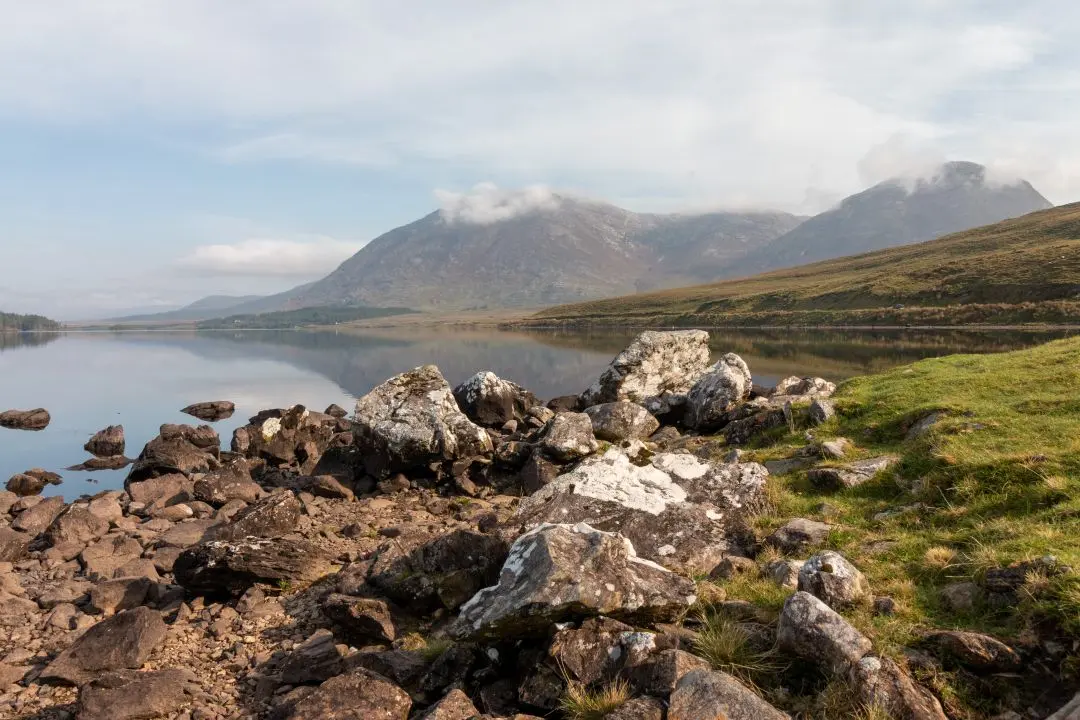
x: 958, y: 197
x: 574, y: 250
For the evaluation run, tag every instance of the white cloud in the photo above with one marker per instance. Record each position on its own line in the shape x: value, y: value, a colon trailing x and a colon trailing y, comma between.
x: 310, y: 258
x: 486, y: 203
x: 704, y: 102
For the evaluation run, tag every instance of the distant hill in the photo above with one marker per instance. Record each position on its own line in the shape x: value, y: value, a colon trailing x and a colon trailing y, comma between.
x: 302, y: 317
x: 12, y: 323
x: 1021, y: 270
x: 896, y: 212
x: 572, y: 250
x: 205, y: 309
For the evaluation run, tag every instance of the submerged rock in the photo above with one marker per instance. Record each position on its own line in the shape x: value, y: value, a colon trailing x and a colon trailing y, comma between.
x: 723, y: 386
x: 412, y: 421
x: 211, y: 411
x: 653, y: 364
x: 107, y: 442
x: 128, y: 695
x: 557, y: 573
x: 37, y: 419
x: 177, y: 449
x: 109, y: 462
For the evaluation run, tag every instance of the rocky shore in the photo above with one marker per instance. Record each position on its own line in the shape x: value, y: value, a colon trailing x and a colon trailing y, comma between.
x: 473, y: 552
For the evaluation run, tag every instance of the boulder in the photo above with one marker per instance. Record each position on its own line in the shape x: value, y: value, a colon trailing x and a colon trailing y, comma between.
x: 107, y: 442
x: 364, y: 620
x: 798, y: 535
x: 752, y: 419
x: 33, y: 521
x: 163, y: 490
x: 125, y: 593
x: 722, y: 387
x: 111, y: 462
x: 315, y: 660
x: 850, y: 475
x: 13, y: 544
x: 37, y: 419
x: 121, y: 642
x: 25, y: 485
x: 490, y: 401
x: 880, y: 682
x: 677, y: 510
x: 708, y: 695
x: 1069, y: 711
x: 620, y: 421
x: 557, y: 573
x: 273, y: 516
x: 811, y: 630
x: 454, y: 706
x: 412, y: 421
x: 174, y: 450
x: 220, y: 566
x: 655, y: 363
x: 444, y: 571
x: 231, y: 482
x: 336, y: 411
x: 973, y: 651
x: 832, y: 579
x: 287, y: 437
x: 211, y: 411
x: 101, y: 559
x: 75, y: 524
x: 568, y: 437
x: 808, y: 386
x: 128, y: 695
x: 326, y: 486
x: 359, y: 695
x: 784, y: 573
x: 821, y: 410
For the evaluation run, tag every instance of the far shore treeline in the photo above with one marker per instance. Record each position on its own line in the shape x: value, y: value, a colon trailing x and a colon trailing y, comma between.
x: 10, y: 322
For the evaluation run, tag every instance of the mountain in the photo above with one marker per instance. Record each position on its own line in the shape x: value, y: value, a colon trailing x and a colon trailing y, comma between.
x: 1021, y: 270
x: 572, y: 251
x: 897, y: 212
x: 207, y: 308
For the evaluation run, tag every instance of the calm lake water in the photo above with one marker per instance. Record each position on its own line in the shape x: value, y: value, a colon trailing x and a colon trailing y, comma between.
x: 142, y: 379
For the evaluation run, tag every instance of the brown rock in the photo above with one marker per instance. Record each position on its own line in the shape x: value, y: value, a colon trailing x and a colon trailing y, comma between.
x: 660, y: 674
x: 13, y: 544
x: 127, y: 695
x: 123, y: 641
x: 798, y: 535
x: 706, y: 695
x: 273, y: 516
x: 165, y: 489
x: 124, y: 593
x: 220, y: 566
x: 315, y: 660
x: 75, y: 524
x: 34, y: 520
x: 881, y: 682
x: 107, y: 442
x: 640, y: 708
x: 363, y: 619
x: 231, y: 482
x: 211, y: 411
x: 455, y: 706
x: 101, y: 559
x: 360, y: 695
x: 37, y: 419
x: 23, y: 485
x: 973, y: 651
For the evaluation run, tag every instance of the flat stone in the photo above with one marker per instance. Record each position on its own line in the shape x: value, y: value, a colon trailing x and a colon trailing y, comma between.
x: 123, y: 641
x: 128, y: 695
x: 850, y: 475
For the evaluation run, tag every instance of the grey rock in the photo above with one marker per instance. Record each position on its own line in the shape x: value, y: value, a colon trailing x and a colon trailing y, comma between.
x: 123, y: 641
x: 850, y: 475
x: 724, y: 385
x: 821, y: 410
x: 660, y: 673
x: 568, y: 437
x: 811, y: 386
x: 812, y: 630
x: 880, y: 682
x: 707, y: 695
x: 490, y: 401
x: 784, y: 573
x: 832, y: 579
x: 411, y: 421
x: 961, y: 596
x: 559, y: 572
x: 797, y: 535
x: 620, y: 421
x: 106, y: 443
x: 654, y: 363
x: 639, y: 708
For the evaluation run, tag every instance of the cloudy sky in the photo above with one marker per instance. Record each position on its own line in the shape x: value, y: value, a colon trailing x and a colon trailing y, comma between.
x: 154, y: 151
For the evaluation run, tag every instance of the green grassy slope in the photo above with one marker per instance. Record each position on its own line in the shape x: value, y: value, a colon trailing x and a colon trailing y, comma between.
x: 1021, y: 270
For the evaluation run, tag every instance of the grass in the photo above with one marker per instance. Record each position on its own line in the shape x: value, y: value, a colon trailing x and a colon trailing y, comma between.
x: 1018, y: 271
x: 735, y: 648
x: 581, y: 702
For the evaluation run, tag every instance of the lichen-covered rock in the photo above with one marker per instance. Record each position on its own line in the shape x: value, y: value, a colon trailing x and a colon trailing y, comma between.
x: 557, y: 573
x: 831, y: 578
x: 620, y: 421
x: 660, y: 673
x: 708, y: 695
x: 412, y: 421
x: 593, y: 652
x: 123, y: 641
x: 850, y: 475
x: 107, y: 442
x: 654, y: 363
x: 821, y: 410
x: 724, y: 385
x: 211, y: 411
x: 455, y: 706
x: 222, y: 566
x: 808, y: 386
x: 880, y: 682
x: 358, y: 695
x: 784, y: 573
x: 273, y: 516
x: 812, y: 630
x: 797, y: 535
x: 490, y: 401
x: 128, y: 695
x: 232, y: 481
x: 678, y: 510
x: 568, y: 437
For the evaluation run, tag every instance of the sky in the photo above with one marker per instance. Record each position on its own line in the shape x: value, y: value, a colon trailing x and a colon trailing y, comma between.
x: 153, y: 152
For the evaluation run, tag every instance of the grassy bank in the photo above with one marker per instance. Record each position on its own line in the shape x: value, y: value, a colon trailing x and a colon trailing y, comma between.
x: 995, y: 481
x: 1025, y: 270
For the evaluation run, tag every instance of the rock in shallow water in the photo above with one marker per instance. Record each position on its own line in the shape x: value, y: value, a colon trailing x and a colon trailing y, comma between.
x: 107, y: 442
x: 37, y: 419
x: 211, y: 411
x: 563, y: 572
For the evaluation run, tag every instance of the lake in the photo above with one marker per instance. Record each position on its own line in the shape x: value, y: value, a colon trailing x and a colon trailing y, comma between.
x: 88, y: 380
